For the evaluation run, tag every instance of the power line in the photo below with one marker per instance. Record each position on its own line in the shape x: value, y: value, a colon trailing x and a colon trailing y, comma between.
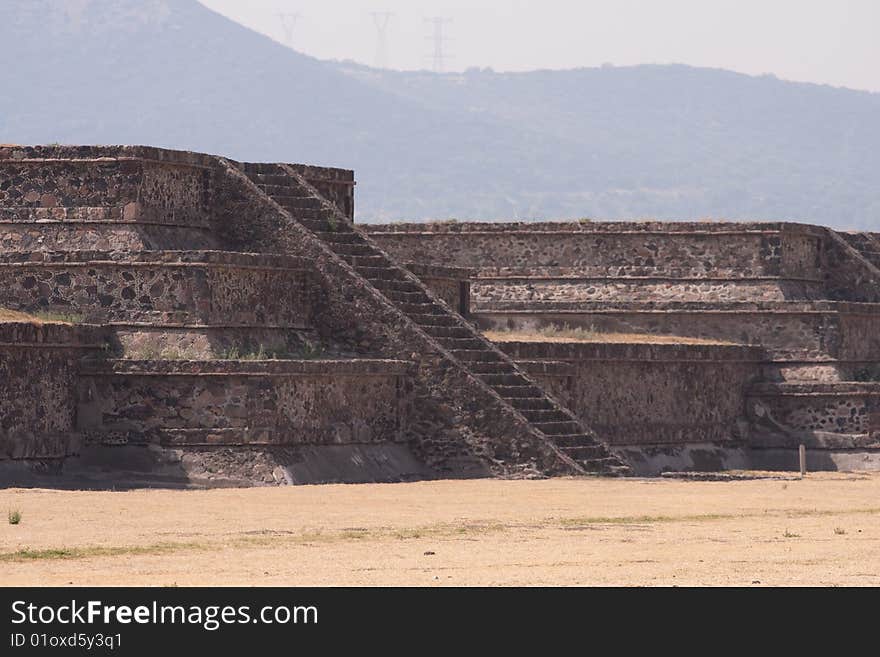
x: 381, y: 19
x: 288, y: 24
x: 439, y: 56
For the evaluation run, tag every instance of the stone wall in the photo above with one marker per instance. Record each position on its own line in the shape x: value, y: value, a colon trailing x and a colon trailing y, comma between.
x: 787, y: 331
x: 162, y: 287
x: 144, y: 190
x: 451, y: 284
x: 649, y: 394
x: 720, y: 260
x: 680, y: 250
x: 281, y: 403
x: 572, y: 288
x: 39, y: 365
x: 818, y: 415
x: 197, y: 342
x: 131, y: 197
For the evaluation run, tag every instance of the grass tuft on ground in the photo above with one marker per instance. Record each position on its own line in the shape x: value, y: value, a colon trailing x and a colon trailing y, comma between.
x: 39, y: 317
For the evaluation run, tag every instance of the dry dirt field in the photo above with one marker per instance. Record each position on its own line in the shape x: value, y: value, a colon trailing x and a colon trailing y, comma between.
x: 823, y: 530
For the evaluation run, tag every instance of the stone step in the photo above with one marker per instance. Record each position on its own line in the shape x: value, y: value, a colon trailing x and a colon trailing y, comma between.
x: 504, y: 378
x: 458, y: 344
x: 261, y: 168
x: 544, y: 415
x: 401, y: 285
x: 519, y: 392
x: 421, y: 309
x: 530, y: 402
x: 353, y: 249
x: 314, y: 224
x: 572, y: 440
x: 382, y: 274
x: 557, y: 428
x: 368, y: 261
x: 298, y: 202
x: 432, y: 319
x: 438, y: 331
x: 585, y: 452
x: 412, y: 299
x: 308, y: 214
x: 347, y: 237
x: 291, y: 190
x: 277, y: 179
x: 469, y: 355
x: 480, y: 368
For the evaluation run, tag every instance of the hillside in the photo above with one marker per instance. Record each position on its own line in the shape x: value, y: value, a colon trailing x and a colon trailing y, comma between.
x: 661, y: 141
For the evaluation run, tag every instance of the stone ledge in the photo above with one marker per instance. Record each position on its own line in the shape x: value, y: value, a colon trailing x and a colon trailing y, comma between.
x: 42, y: 154
x: 735, y: 307
x: 578, y: 277
x: 599, y: 228
x: 637, y: 351
x: 436, y: 271
x: 268, y: 368
x: 244, y: 437
x: 39, y: 335
x: 150, y: 258
x: 544, y: 367
x: 816, y: 389
x: 83, y: 216
x: 818, y: 440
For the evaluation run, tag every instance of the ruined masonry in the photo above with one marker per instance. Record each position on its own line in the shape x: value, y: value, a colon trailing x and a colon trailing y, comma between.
x: 228, y: 324
x: 191, y: 320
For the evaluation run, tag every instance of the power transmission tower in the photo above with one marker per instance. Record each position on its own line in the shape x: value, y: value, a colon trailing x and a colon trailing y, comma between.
x: 380, y: 19
x: 439, y: 56
x: 288, y: 24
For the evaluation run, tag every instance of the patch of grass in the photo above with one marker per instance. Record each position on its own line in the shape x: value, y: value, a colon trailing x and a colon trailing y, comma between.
x: 14, y: 516
x: 14, y: 316
x: 41, y: 317
x: 312, y: 536
x: 59, y: 317
x: 53, y: 554
x: 642, y: 520
x: 155, y: 352
x: 254, y: 352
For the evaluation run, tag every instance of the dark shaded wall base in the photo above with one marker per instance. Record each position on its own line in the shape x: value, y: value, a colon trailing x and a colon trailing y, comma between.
x: 124, y: 467
x: 653, y: 460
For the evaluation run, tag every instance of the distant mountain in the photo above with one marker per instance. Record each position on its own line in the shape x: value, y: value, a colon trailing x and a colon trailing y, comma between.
x: 670, y: 142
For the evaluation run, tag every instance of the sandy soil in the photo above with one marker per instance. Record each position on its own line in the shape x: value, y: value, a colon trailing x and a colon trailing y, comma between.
x: 822, y: 530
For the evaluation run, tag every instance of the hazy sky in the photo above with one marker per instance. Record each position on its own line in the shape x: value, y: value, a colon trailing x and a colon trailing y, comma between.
x: 827, y: 41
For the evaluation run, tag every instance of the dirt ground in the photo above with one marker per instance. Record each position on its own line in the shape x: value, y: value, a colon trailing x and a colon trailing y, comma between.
x: 823, y: 530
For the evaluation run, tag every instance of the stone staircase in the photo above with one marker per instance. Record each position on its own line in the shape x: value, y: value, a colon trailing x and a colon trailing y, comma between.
x: 868, y: 244
x: 464, y: 343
